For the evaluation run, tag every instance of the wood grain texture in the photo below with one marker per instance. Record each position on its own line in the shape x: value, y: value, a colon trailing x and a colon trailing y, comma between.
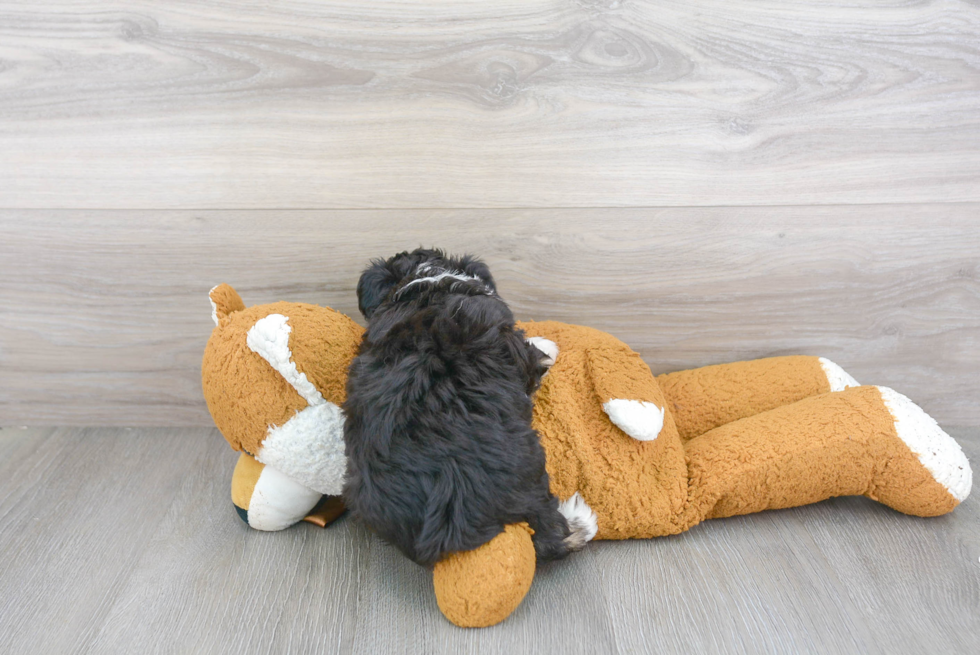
x: 125, y: 541
x: 104, y: 315
x: 449, y: 103
x: 77, y: 509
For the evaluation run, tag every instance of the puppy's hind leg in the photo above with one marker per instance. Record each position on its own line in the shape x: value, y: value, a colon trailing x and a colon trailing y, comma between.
x: 547, y: 347
x: 560, y: 528
x: 582, y: 521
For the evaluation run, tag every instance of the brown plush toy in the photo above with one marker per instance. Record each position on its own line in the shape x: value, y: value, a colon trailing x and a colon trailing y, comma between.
x: 650, y: 455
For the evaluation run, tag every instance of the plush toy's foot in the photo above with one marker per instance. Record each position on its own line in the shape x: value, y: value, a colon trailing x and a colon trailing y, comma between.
x: 933, y: 475
x: 267, y: 499
x: 837, y: 378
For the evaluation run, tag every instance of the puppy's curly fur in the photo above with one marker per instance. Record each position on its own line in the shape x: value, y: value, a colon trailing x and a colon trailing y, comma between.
x: 441, y: 453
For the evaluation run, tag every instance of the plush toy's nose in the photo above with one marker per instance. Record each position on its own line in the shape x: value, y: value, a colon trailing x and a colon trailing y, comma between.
x: 267, y: 498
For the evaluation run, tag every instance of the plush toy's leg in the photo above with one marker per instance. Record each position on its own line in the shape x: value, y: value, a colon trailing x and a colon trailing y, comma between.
x: 482, y: 587
x: 867, y: 441
x: 704, y: 398
x: 267, y: 499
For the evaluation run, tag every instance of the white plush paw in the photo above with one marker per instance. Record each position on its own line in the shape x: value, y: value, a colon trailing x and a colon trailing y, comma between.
x: 937, y: 451
x: 637, y: 418
x: 838, y: 378
x: 582, y: 521
x: 547, y: 346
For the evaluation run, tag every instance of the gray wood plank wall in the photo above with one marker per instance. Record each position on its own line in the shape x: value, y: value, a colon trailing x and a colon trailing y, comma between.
x: 104, y: 314
x: 469, y: 103
x: 710, y: 182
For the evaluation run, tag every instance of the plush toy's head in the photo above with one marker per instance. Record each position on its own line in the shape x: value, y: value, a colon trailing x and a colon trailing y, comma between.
x: 273, y: 378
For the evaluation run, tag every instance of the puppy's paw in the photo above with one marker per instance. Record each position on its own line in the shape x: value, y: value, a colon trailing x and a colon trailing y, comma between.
x: 582, y: 521
x: 548, y: 347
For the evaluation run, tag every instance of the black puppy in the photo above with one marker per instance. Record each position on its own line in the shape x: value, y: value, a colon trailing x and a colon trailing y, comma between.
x: 440, y: 450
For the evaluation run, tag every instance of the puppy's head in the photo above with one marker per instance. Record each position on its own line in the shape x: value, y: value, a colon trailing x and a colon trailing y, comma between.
x: 383, y: 279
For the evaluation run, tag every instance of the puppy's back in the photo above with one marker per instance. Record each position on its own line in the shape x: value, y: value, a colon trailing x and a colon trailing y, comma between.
x: 440, y: 450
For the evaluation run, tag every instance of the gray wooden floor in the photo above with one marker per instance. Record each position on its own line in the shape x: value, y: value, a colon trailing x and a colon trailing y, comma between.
x: 125, y: 541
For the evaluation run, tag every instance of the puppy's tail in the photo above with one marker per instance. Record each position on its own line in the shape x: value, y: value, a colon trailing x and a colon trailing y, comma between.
x: 582, y: 522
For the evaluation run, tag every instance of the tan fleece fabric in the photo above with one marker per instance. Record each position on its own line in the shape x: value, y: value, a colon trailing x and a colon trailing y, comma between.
x: 799, y: 451
x: 820, y: 446
x: 704, y: 398
x: 480, y: 588
x: 835, y: 444
x: 324, y: 342
x: 247, y: 472
x: 245, y: 395
x: 636, y: 488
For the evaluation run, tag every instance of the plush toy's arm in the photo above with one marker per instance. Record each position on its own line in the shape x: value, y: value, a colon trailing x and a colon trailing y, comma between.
x: 704, y: 398
x: 267, y: 499
x: 629, y: 393
x: 482, y: 587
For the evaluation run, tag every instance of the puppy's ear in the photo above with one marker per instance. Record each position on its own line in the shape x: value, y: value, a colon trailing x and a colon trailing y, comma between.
x: 375, y: 284
x: 475, y: 267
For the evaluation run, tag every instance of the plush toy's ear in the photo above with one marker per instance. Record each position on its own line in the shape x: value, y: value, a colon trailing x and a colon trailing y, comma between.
x: 224, y: 301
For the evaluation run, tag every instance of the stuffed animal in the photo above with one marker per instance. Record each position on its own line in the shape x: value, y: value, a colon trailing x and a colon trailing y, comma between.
x: 650, y: 455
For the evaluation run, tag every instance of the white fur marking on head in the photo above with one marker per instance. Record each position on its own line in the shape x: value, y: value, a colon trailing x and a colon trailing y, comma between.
x: 309, y: 447
x: 547, y: 346
x: 582, y: 521
x: 937, y: 451
x: 435, y: 279
x: 637, y: 418
x: 269, y: 338
x: 278, y: 501
x: 838, y: 378
x: 214, y: 307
